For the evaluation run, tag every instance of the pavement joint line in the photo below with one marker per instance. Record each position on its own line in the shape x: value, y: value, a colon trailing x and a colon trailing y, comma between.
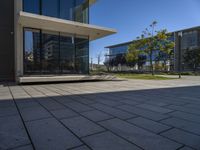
x: 186, y: 112
x: 181, y: 147
x: 166, y: 130
x: 106, y: 120
x: 31, y: 142
x: 164, y: 119
x: 133, y: 118
x: 38, y: 119
x: 106, y: 130
x: 77, y: 147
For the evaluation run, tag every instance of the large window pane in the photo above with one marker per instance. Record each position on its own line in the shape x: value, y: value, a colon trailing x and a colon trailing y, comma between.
x: 32, y: 6
x: 67, y: 54
x: 50, y: 52
x: 67, y: 9
x: 47, y: 52
x: 50, y: 8
x: 31, y: 51
x: 82, y: 55
x: 81, y: 11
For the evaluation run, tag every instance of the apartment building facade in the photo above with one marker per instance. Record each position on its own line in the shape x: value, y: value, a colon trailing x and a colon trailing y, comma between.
x: 46, y: 37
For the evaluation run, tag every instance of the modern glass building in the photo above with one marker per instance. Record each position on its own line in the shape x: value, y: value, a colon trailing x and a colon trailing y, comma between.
x: 190, y: 40
x: 48, y: 37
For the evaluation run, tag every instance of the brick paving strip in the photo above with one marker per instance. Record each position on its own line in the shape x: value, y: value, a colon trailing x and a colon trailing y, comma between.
x: 115, y: 115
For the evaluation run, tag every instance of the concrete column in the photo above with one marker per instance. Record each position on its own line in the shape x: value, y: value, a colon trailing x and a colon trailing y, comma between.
x: 18, y: 41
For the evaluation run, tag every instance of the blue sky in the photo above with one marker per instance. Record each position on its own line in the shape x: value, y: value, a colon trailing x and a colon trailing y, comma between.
x: 130, y: 17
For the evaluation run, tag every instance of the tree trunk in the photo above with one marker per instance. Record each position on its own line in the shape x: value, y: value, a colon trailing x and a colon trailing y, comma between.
x: 151, y: 63
x: 165, y: 65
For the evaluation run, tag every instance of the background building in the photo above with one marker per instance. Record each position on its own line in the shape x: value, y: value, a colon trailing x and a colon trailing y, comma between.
x: 190, y: 40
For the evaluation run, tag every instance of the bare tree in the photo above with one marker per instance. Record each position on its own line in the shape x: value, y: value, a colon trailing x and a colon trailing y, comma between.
x: 99, y: 58
x: 91, y: 64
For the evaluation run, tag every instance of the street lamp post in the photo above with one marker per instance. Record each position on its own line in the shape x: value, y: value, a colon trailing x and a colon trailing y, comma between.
x: 180, y: 54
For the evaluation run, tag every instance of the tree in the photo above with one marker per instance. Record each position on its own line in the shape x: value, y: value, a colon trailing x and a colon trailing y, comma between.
x: 166, y: 47
x: 135, y: 55
x: 99, y: 58
x: 192, y: 58
x: 107, y: 64
x: 151, y: 41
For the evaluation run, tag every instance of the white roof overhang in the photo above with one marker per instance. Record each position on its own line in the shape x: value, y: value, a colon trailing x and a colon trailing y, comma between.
x: 61, y: 25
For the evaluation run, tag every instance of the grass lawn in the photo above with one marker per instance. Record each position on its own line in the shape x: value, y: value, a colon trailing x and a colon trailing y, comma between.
x: 142, y: 76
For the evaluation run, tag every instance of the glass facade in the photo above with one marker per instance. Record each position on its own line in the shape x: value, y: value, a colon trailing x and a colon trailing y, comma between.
x: 47, y: 52
x: 67, y: 9
x: 190, y: 39
x: 74, y: 10
x: 118, y: 50
x: 32, y: 6
x: 50, y: 8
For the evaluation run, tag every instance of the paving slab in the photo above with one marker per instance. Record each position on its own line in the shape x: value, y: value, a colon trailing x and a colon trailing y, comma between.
x: 12, y: 133
x: 64, y: 113
x: 186, y: 116
x: 150, y: 125
x: 8, y: 111
x: 27, y: 147
x: 109, y: 102
x: 184, y: 109
x: 50, y: 104
x: 108, y: 141
x: 28, y: 104
x: 78, y: 107
x: 183, y: 137
x: 155, y: 108
x: 34, y: 113
x: 49, y: 134
x: 113, y: 111
x: 139, y: 136
x: 96, y: 115
x: 63, y: 99
x: 82, y: 126
x: 142, y: 112
x: 183, y: 124
x: 129, y: 102
x: 7, y: 103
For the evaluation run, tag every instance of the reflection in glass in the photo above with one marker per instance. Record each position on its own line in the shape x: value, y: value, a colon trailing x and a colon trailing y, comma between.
x: 74, y: 10
x: 31, y: 51
x: 50, y: 52
x: 31, y: 6
x: 82, y: 55
x: 67, y: 54
x: 67, y: 9
x: 82, y: 11
x: 50, y: 8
